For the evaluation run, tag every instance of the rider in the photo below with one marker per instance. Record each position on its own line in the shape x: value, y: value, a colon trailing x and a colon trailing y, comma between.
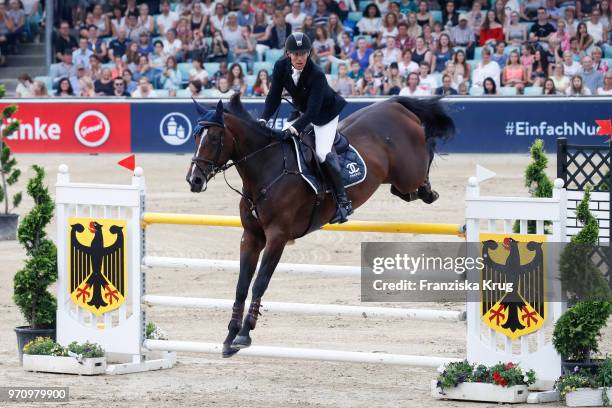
x: 317, y: 102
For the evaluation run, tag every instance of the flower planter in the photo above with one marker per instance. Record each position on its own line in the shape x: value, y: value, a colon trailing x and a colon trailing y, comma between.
x: 26, y: 334
x: 64, y: 365
x: 587, y: 397
x: 8, y: 227
x: 482, y: 392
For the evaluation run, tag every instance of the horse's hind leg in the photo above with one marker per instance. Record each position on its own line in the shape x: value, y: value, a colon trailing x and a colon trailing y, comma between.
x: 250, y: 247
x: 270, y: 259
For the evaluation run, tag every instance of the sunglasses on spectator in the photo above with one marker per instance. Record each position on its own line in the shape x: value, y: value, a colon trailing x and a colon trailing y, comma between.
x: 119, y: 83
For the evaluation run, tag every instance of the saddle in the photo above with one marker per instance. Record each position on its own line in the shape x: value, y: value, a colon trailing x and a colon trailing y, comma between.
x: 307, y: 146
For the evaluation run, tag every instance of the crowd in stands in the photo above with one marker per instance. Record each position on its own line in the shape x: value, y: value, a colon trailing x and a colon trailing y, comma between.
x: 367, y: 48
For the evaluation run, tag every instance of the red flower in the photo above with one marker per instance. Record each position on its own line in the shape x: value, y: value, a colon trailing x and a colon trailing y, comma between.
x: 509, y: 366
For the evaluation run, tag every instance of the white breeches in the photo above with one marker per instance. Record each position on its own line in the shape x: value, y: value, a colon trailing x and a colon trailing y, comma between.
x: 324, y: 137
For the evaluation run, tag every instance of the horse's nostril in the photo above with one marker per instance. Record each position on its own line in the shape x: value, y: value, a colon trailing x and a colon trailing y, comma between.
x: 197, y: 180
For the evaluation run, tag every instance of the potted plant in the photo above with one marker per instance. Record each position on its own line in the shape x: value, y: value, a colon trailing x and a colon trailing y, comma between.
x: 9, y: 175
x: 45, y: 355
x: 37, y: 305
x: 586, y: 388
x: 503, y: 382
x: 577, y: 332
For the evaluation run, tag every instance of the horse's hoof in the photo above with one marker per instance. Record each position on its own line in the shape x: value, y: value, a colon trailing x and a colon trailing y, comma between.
x: 241, y: 342
x: 431, y: 198
x: 228, y: 351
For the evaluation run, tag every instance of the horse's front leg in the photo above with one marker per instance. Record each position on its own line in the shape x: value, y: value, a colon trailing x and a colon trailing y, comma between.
x: 272, y: 254
x: 250, y: 247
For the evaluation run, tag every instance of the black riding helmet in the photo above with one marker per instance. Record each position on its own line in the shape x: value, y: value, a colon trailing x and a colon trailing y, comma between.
x: 298, y: 42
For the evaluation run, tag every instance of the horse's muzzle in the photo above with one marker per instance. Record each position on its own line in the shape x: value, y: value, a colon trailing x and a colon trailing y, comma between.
x: 197, y: 184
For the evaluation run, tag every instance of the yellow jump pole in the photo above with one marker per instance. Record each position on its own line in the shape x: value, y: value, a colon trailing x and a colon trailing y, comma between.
x: 352, y: 226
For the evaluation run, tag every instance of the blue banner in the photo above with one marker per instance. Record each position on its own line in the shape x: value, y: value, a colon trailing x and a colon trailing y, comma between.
x: 496, y: 125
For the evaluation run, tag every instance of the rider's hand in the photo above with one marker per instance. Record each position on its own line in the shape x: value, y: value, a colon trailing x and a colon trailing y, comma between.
x: 286, y: 134
x: 262, y: 122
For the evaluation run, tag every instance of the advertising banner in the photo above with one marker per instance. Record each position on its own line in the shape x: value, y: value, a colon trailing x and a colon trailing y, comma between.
x: 71, y: 128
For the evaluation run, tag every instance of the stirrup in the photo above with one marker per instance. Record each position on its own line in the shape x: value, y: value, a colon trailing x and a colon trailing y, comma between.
x: 343, y: 210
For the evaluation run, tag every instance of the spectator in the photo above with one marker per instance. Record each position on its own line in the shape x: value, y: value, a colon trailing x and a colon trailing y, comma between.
x: 570, y: 67
x: 86, y: 86
x: 414, y: 29
x: 104, y: 85
x: 119, y: 67
x: 606, y: 89
x: 195, y: 88
x: 599, y: 64
x: 343, y: 84
x: 389, y: 26
x: 117, y: 20
x: 516, y: 33
x: 437, y: 32
x: 296, y: 17
x: 428, y: 38
x: 217, y: 20
x: 64, y: 69
x: 390, y: 53
x: 383, y: 5
x: 570, y: 19
x: 131, y: 56
x: 530, y: 8
x: 549, y: 88
x: 39, y: 89
x: 475, y: 17
x: 515, y: 72
x: 486, y: 69
x: 168, y: 19
x: 198, y: 72
x: 145, y: 20
x: 261, y: 87
x: 308, y: 27
x: 592, y: 78
x: 221, y: 73
x: 130, y: 83
x: 446, y: 88
x: 423, y: 17
x: 322, y: 46
x: 370, y: 23
x: 450, y: 17
x: 198, y: 18
x: 17, y: 15
x: 223, y: 90
x: 261, y: 32
x: 144, y: 44
x: 362, y: 53
x: 280, y: 31
x: 131, y: 27
x: 95, y: 67
x: 368, y: 86
x: 171, y: 77
x: 443, y: 54
x: 539, y: 69
x: 553, y: 12
x: 118, y: 46
x: 236, y: 80
x: 101, y: 21
x: 527, y: 55
x: 577, y: 88
x: 322, y: 15
x: 403, y: 40
x: 462, y: 88
x: 24, y: 87
x: 561, y: 35
x: 412, y: 86
x: 451, y: 71
x: 198, y: 47
x: 356, y: 73
x: 427, y: 82
x: 500, y: 55
x: 489, y: 87
x: 219, y: 49
x: 335, y: 29
x: 347, y: 47
x: 463, y: 70
x: 231, y: 31
x: 491, y: 31
x: 606, y: 16
x: 584, y: 8
x: 421, y: 53
x: 585, y: 40
x: 463, y: 36
x: 541, y: 29
x: 131, y: 7
x: 559, y: 78
x: 119, y: 88
x: 172, y: 45
x: 144, y: 69
x: 184, y: 33
x: 33, y: 18
x: 75, y: 80
x: 184, y: 8
x: 97, y: 45
x: 309, y: 7
x: 408, y: 6
x: 392, y: 84
x: 144, y: 89
x: 64, y: 41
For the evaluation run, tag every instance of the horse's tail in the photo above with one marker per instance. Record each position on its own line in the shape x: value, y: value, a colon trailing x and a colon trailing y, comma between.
x: 438, y: 125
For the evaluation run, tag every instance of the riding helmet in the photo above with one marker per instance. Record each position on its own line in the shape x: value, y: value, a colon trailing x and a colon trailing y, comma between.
x: 298, y: 42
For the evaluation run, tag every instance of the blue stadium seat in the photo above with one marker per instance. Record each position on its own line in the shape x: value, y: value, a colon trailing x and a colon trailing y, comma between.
x: 507, y: 91
x: 208, y: 93
x: 473, y: 64
x: 533, y: 91
x: 476, y: 91
x: 273, y: 55
x: 478, y: 53
x: 211, y: 67
x: 259, y: 65
x: 363, y: 4
x: 162, y: 93
x: 355, y: 16
x: 609, y: 62
x: 608, y: 50
x: 250, y: 79
x: 46, y: 80
x: 183, y: 93
x: 511, y: 48
x: 184, y: 68
x: 436, y: 15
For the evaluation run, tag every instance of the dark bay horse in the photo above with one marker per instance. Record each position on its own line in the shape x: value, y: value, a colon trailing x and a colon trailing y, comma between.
x: 396, y: 138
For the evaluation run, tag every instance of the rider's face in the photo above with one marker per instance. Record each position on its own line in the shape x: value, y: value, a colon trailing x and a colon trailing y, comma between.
x: 298, y: 59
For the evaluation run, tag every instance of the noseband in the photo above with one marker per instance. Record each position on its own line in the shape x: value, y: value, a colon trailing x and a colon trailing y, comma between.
x: 213, y: 166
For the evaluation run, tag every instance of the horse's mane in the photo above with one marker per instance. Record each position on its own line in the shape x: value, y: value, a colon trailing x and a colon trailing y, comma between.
x: 237, y: 109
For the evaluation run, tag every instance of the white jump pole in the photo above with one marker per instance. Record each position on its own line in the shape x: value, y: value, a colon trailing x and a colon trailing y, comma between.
x: 302, y: 353
x: 311, y: 309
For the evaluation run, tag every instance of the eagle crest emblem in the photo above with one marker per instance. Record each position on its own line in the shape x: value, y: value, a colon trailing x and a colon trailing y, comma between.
x: 97, y: 263
x: 517, y: 260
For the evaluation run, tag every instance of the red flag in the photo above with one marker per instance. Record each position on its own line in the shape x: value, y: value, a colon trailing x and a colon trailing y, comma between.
x: 605, y: 127
x: 129, y: 162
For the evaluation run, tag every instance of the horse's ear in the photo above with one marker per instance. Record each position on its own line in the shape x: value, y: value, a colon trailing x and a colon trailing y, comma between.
x: 219, y: 112
x: 199, y: 108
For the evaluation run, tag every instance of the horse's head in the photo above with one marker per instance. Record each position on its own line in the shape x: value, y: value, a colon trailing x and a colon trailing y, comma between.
x: 213, y: 147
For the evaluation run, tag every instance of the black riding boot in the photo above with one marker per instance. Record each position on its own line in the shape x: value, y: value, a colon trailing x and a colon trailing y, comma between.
x: 332, y: 170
